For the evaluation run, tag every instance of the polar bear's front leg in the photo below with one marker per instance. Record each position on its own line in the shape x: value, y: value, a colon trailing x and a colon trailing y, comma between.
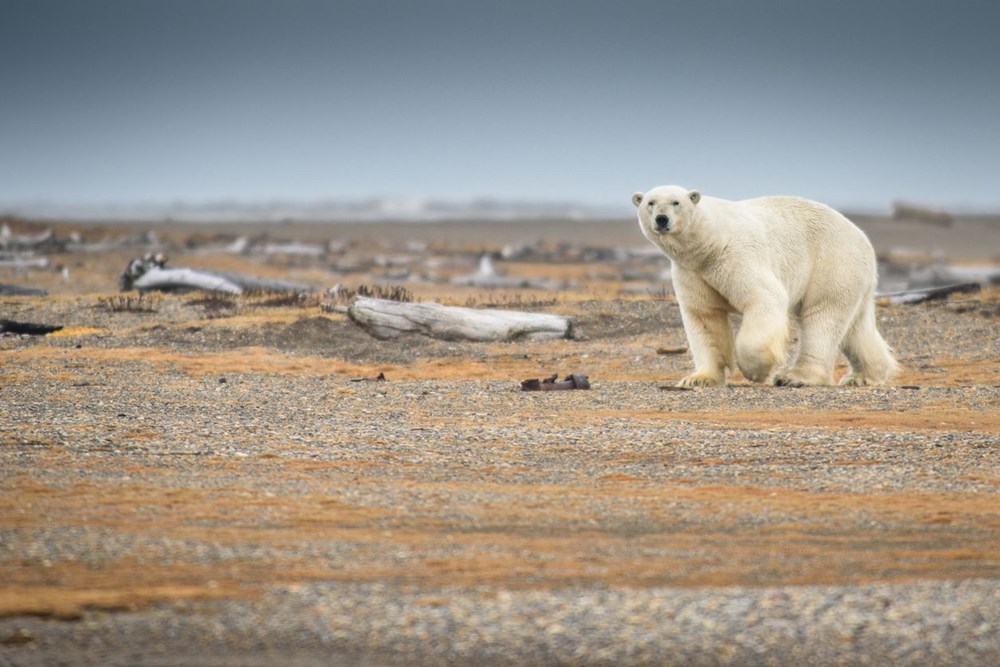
x: 710, y: 338
x: 705, y: 314
x: 761, y: 344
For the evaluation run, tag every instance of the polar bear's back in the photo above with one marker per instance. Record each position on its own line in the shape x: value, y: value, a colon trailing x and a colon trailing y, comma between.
x: 799, y: 223
x: 805, y: 237
x: 798, y: 213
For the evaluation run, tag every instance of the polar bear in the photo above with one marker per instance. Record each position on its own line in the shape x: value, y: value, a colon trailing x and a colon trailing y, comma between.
x: 768, y: 259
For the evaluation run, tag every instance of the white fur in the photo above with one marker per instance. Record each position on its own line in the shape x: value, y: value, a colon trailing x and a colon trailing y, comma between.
x: 769, y: 259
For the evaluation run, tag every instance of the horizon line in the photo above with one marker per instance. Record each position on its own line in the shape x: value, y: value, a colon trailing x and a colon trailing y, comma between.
x: 429, y: 207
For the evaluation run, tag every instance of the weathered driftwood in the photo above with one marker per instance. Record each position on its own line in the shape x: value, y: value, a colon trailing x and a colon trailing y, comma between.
x: 388, y: 319
x: 378, y: 378
x: 293, y: 248
x: 30, y: 328
x: 907, y: 211
x: 257, y: 284
x: 13, y: 241
x: 931, y: 293
x: 26, y: 261
x: 151, y: 273
x: 552, y: 383
x: 147, y: 239
x: 9, y: 289
x: 984, y: 275
x: 165, y: 279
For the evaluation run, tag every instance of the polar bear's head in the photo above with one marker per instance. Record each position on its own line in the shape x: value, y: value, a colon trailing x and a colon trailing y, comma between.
x: 665, y: 210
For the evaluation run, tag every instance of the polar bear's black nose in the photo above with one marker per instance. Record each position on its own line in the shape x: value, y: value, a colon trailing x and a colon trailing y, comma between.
x: 662, y: 222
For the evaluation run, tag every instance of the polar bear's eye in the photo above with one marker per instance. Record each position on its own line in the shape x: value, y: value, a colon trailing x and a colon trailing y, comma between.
x: 676, y: 203
x: 651, y: 203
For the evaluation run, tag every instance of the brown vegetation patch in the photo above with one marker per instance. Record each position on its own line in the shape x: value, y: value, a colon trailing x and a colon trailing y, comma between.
x: 937, y: 416
x: 618, y: 530
x: 69, y: 590
x: 78, y: 331
x: 961, y: 372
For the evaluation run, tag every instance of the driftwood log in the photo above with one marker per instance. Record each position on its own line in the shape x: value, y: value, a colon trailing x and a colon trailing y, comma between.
x: 18, y: 261
x: 552, y: 383
x: 931, y: 293
x: 180, y: 278
x: 906, y: 211
x: 29, y: 328
x: 162, y: 278
x: 14, y: 241
x: 151, y: 273
x: 9, y: 289
x: 388, y: 319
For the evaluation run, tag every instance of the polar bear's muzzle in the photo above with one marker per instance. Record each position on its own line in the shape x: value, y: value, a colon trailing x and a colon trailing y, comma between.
x: 662, y: 223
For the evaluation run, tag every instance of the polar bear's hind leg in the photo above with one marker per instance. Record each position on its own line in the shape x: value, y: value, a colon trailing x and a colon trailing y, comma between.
x: 871, y: 359
x: 821, y: 333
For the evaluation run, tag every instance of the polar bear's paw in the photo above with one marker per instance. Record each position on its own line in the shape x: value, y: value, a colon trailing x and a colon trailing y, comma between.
x: 702, y: 380
x: 783, y: 380
x: 859, y: 380
x: 798, y: 377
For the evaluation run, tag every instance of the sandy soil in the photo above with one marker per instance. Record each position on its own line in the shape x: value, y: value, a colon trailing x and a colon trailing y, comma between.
x: 217, y: 481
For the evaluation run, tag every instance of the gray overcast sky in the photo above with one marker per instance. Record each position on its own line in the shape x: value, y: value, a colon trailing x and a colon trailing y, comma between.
x: 855, y: 102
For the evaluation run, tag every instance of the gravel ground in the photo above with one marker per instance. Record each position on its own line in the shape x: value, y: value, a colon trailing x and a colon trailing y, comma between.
x: 927, y: 623
x: 190, y: 486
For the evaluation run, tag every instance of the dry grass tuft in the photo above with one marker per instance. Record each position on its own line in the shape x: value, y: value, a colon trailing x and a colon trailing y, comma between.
x: 514, y: 301
x: 281, y: 300
x: 141, y: 302
x: 216, y: 304
x: 341, y: 295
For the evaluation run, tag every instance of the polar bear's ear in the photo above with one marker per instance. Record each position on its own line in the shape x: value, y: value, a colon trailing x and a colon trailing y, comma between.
x: 637, y: 198
x: 695, y: 196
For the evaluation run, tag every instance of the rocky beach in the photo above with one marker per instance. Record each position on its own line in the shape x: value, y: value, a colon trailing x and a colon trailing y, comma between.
x: 195, y: 478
